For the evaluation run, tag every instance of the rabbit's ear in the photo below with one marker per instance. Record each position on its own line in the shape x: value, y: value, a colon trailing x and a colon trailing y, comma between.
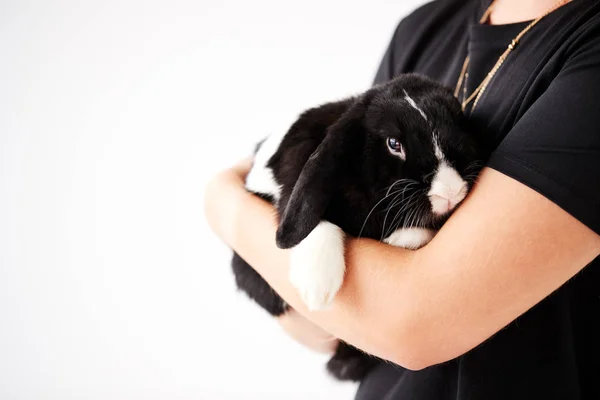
x: 319, y: 177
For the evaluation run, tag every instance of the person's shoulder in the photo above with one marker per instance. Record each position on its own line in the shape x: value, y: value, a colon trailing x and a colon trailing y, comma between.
x: 419, y: 32
x: 434, y: 6
x: 439, y: 8
x: 580, y: 33
x: 435, y: 12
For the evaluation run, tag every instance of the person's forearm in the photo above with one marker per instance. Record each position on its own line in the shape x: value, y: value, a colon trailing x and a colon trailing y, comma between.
x: 357, y: 307
x: 307, y: 333
x: 418, y: 308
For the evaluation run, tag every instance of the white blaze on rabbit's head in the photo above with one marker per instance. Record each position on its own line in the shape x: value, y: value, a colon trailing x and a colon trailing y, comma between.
x: 448, y: 188
x: 434, y: 160
x: 390, y: 164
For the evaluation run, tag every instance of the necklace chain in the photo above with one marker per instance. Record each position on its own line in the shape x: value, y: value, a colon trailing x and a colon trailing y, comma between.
x: 478, y: 92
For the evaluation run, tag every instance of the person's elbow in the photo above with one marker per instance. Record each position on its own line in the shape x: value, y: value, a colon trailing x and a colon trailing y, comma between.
x: 416, y: 346
x: 411, y: 361
x: 410, y: 355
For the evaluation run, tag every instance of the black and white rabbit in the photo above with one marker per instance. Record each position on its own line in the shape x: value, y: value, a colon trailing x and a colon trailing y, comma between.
x: 390, y: 164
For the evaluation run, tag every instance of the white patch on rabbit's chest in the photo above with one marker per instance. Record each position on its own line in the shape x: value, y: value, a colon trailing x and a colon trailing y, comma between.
x: 410, y: 238
x: 260, y: 179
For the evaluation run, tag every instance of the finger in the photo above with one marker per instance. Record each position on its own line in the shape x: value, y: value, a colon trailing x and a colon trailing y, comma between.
x: 242, y: 168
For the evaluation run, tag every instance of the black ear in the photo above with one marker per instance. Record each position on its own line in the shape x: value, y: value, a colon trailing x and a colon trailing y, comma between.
x: 317, y: 181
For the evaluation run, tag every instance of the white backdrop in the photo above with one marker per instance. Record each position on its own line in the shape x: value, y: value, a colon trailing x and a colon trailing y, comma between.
x: 113, y: 115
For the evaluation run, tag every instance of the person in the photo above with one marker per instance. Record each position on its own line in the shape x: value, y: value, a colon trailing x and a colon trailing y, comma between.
x: 504, y: 302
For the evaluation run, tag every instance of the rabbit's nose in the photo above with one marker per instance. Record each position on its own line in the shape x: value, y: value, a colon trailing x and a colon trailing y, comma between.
x: 441, y: 205
x: 447, y: 190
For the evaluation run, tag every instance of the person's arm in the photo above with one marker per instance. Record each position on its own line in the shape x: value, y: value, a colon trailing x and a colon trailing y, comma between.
x: 293, y: 323
x: 505, y: 249
x: 307, y: 333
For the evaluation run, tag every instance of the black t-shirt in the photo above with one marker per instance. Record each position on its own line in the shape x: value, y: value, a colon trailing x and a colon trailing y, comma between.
x: 541, y: 119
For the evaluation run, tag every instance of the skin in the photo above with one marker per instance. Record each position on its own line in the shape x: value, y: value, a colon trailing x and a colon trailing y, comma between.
x: 513, y: 11
x: 420, y: 308
x: 307, y: 333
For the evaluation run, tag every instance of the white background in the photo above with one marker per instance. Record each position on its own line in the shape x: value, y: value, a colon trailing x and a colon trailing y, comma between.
x: 113, y: 116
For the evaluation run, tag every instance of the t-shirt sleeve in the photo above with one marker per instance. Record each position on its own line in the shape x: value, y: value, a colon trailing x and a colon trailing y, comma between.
x: 555, y: 147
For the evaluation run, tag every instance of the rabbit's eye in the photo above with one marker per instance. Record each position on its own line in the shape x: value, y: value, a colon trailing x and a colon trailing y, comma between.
x: 396, y: 147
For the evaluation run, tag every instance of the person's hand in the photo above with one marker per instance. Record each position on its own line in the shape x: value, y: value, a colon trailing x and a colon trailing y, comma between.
x: 307, y: 333
x: 223, y: 195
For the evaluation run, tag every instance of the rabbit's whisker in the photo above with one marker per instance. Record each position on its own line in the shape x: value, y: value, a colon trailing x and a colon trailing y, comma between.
x: 392, y: 205
x: 409, y: 203
x: 373, y: 209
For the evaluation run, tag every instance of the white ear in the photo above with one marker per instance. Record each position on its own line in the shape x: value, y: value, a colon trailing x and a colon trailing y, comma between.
x: 317, y: 265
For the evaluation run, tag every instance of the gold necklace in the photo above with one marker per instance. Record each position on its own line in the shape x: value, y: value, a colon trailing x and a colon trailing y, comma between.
x: 478, y: 92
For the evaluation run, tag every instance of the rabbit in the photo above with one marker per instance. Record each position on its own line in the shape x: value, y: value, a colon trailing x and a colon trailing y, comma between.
x: 390, y: 164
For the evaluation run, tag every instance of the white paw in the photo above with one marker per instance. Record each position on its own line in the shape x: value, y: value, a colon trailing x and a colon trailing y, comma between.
x: 410, y: 238
x: 317, y: 285
x: 317, y: 266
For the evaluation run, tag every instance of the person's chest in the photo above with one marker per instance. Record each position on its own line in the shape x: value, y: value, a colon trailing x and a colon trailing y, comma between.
x: 524, y: 75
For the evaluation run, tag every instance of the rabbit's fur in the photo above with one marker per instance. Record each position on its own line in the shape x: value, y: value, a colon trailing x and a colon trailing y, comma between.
x: 390, y: 164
